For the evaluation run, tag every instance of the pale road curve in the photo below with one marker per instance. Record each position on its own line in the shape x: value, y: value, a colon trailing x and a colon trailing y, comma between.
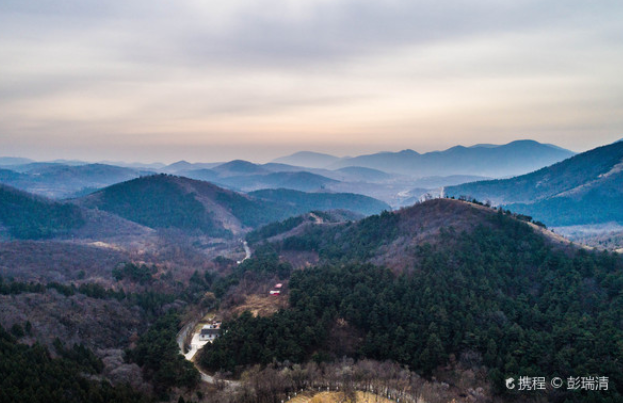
x: 247, y: 251
x: 196, y: 344
x: 317, y: 219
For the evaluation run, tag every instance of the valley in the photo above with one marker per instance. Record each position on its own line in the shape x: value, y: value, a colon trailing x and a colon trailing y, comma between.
x: 437, y: 301
x: 311, y: 201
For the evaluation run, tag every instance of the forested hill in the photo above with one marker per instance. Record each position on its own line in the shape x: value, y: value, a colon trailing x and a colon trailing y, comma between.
x: 27, y: 216
x: 492, y: 293
x: 584, y: 189
x: 392, y: 239
x: 165, y: 201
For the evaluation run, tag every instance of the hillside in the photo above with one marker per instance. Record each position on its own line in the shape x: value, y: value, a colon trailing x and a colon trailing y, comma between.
x: 183, y: 166
x: 163, y: 201
x: 239, y: 167
x: 7, y: 176
x: 514, y: 158
x: 303, y: 202
x: 308, y: 159
x: 245, y: 176
x: 302, y: 181
x: 477, y: 290
x: 393, y: 239
x: 207, y: 175
x: 62, y: 181
x: 26, y: 216
x: 298, y: 224
x: 7, y: 161
x: 361, y: 174
x: 584, y: 189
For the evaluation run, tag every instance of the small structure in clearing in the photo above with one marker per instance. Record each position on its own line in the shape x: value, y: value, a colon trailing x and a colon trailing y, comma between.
x: 277, y: 290
x: 210, y: 331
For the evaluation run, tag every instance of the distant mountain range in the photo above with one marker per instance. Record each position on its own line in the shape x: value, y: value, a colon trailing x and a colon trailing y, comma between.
x: 303, y: 181
x: 487, y: 160
x: 584, y: 189
x: 515, y: 158
x: 308, y: 159
x: 61, y: 181
x: 14, y: 161
x: 391, y: 177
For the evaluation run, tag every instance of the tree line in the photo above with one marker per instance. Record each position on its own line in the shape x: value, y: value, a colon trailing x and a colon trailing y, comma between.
x: 498, y: 297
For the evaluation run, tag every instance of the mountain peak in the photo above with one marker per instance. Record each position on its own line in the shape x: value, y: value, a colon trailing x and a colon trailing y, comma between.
x: 239, y: 167
x: 408, y: 151
x: 524, y: 141
x: 182, y: 163
x: 515, y: 158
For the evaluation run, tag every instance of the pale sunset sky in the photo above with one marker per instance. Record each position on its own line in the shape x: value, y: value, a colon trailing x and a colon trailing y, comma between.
x: 257, y: 79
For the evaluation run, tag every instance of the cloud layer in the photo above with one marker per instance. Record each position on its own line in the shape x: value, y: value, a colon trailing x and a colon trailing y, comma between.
x: 253, y: 79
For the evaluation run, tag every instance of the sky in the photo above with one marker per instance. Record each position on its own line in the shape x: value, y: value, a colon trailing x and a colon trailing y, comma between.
x: 156, y: 80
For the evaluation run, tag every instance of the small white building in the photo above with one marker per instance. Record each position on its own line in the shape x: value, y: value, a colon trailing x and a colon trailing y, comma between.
x: 210, y: 332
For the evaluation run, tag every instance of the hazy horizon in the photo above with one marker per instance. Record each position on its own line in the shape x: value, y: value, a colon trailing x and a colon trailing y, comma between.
x: 255, y: 80
x: 261, y: 161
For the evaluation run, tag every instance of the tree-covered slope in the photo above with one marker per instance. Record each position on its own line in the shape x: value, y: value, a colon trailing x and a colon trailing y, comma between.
x: 584, y: 189
x: 496, y: 295
x: 577, y: 171
x: 30, y: 374
x: 298, y: 224
x: 156, y: 202
x: 390, y: 239
x: 595, y: 206
x: 163, y: 201
x: 304, y: 202
x: 32, y: 217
